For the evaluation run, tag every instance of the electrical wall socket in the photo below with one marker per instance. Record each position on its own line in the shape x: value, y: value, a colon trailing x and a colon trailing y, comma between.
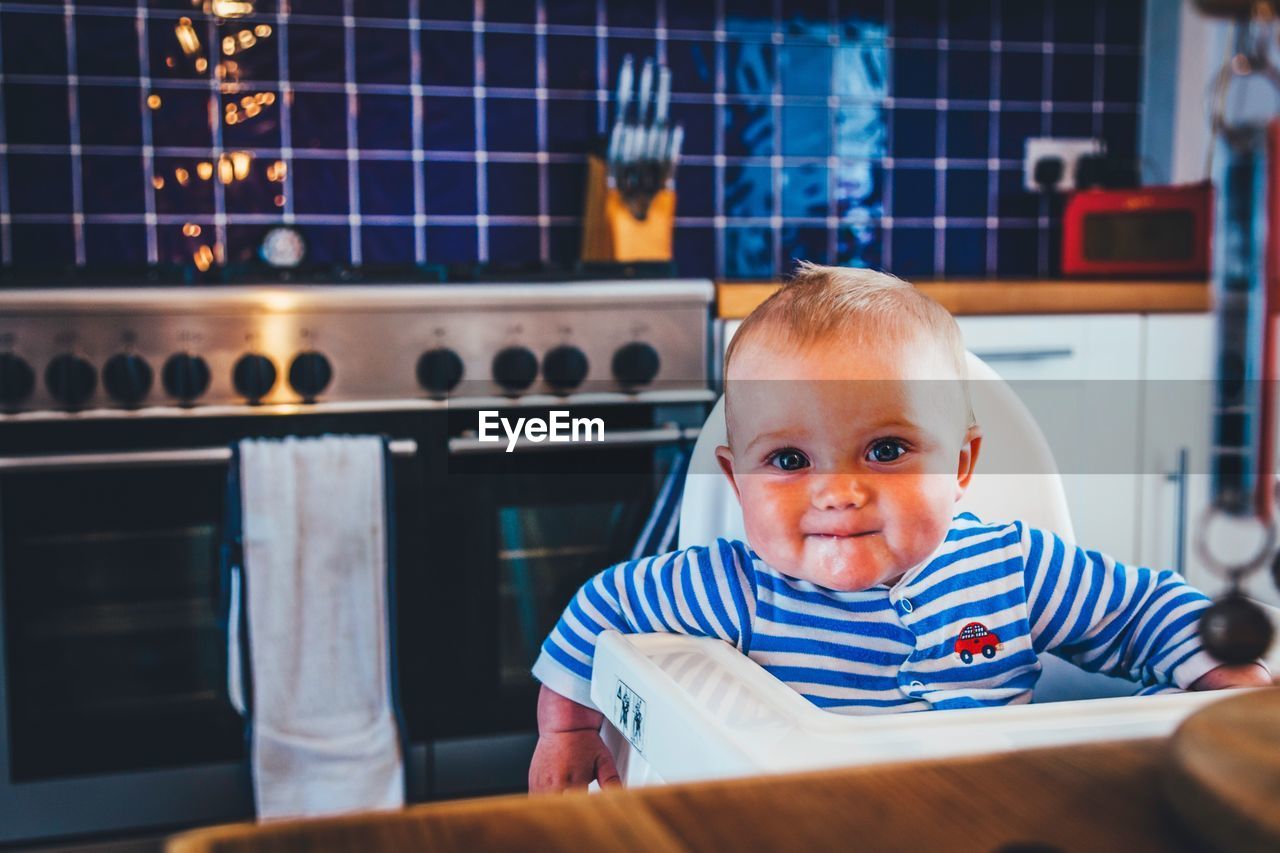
x: 1068, y: 150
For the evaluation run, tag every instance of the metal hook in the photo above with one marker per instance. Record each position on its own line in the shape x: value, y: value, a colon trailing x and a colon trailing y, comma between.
x: 1233, y: 571
x: 1249, y: 57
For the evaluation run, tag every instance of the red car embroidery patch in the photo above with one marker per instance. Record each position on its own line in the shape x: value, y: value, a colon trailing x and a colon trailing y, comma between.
x: 974, y: 640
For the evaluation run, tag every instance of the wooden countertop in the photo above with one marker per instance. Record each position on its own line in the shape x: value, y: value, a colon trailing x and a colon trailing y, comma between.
x: 1013, y: 296
x: 1096, y: 797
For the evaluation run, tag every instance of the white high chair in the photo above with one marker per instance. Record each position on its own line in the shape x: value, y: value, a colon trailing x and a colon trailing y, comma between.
x: 698, y: 709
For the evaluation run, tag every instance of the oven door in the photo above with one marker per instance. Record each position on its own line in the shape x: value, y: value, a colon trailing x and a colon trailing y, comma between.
x: 114, y: 712
x: 514, y: 536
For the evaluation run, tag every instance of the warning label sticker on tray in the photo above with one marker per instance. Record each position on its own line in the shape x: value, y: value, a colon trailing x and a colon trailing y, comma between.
x: 628, y: 714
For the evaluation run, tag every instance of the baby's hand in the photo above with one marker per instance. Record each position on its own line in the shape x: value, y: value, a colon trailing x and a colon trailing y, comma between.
x: 570, y: 752
x: 569, y: 761
x: 1240, y: 675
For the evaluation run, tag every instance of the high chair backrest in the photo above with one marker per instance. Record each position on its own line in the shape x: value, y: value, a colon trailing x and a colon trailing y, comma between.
x: 1022, y: 483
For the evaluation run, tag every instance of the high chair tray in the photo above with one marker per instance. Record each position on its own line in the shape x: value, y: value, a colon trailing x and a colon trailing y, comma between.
x: 707, y: 711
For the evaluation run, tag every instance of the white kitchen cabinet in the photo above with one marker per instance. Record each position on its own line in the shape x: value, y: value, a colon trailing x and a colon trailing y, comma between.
x: 1177, y: 434
x: 1080, y: 376
x: 1075, y: 347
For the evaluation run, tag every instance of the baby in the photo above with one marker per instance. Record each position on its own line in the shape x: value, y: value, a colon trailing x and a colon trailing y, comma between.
x: 850, y: 439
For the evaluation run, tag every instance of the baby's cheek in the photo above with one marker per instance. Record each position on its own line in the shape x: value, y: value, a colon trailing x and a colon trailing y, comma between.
x: 931, y: 515
x: 771, y: 523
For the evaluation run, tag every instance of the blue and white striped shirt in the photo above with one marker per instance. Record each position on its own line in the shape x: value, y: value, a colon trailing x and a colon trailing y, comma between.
x: 963, y: 629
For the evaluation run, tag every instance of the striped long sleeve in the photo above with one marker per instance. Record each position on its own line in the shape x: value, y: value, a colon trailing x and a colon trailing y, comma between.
x: 1104, y: 616
x: 702, y: 591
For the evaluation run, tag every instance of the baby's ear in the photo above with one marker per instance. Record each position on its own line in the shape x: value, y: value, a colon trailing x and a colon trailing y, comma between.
x: 724, y: 456
x: 968, y: 460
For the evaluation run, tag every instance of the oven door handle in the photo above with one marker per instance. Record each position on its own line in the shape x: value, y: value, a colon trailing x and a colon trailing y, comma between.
x: 466, y: 445
x: 148, y: 458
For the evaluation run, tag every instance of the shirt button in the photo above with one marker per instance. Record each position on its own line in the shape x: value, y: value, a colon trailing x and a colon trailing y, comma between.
x: 905, y: 604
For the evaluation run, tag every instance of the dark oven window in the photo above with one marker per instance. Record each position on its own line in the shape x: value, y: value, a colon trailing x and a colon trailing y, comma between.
x: 545, y: 552
x: 114, y: 653
x: 510, y: 539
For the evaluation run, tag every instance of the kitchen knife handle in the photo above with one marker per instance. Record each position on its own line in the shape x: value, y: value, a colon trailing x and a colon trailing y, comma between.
x: 663, y: 102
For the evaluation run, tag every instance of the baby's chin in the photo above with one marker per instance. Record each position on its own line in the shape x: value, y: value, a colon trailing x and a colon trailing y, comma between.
x: 841, y: 564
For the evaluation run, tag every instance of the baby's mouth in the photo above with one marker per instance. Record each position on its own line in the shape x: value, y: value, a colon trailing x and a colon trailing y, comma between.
x: 832, y: 537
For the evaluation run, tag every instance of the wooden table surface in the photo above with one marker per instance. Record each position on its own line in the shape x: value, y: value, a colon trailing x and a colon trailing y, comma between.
x: 735, y: 300
x: 1097, y: 797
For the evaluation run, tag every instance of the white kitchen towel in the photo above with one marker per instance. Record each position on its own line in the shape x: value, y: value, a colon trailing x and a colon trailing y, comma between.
x: 313, y: 588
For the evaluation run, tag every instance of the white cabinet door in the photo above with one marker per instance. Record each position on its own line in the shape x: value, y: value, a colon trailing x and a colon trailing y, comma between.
x: 1177, y: 436
x: 1080, y: 376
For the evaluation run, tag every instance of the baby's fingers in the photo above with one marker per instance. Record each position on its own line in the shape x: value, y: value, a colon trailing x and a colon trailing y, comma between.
x: 606, y: 770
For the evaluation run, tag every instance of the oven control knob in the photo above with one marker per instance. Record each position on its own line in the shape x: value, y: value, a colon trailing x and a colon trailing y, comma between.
x: 565, y: 367
x: 185, y: 376
x: 636, y: 364
x: 254, y: 376
x: 310, y: 373
x: 17, y: 379
x: 439, y: 370
x: 127, y: 378
x: 515, y: 368
x: 70, y: 380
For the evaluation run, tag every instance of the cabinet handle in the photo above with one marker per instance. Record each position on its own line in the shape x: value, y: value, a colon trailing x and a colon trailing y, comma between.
x: 1025, y: 355
x: 1179, y: 478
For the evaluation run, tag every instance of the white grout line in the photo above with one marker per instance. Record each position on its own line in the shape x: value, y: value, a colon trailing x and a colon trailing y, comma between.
x: 776, y: 161
x: 148, y: 149
x: 886, y: 190
x: 286, y: 107
x: 470, y: 156
x: 1100, y: 65
x: 719, y: 158
x: 215, y: 122
x: 419, y: 143
x: 467, y: 219
x: 6, y: 235
x: 1046, y: 93
x: 834, y: 225
x: 353, y: 130
x: 602, y: 69
x: 660, y: 32
x: 544, y: 180
x: 572, y: 29
x: 940, y: 149
x: 482, y: 172
x: 73, y: 107
x: 993, y: 146
x: 464, y: 92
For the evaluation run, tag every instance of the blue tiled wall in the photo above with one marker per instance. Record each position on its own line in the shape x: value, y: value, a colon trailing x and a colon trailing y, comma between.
x: 870, y: 132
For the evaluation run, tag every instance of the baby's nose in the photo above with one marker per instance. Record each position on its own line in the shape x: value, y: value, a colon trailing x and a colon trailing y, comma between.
x: 840, y: 491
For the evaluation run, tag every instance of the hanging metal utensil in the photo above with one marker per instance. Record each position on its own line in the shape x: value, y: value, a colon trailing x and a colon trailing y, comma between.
x: 1246, y: 243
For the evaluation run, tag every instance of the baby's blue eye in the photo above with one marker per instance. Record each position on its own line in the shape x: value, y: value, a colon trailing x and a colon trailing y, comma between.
x: 885, y: 451
x: 789, y: 460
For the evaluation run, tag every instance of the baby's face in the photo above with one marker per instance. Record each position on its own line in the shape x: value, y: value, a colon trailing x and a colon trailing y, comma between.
x: 848, y: 460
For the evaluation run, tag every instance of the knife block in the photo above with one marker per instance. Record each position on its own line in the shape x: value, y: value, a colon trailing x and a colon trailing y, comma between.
x: 611, y: 233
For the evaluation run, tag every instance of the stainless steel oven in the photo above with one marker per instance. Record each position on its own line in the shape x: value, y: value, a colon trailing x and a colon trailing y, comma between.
x: 119, y: 411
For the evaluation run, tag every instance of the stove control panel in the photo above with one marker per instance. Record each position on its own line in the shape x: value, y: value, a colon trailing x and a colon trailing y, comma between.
x: 112, y: 351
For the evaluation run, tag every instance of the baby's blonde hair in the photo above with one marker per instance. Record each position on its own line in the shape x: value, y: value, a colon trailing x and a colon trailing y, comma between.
x: 857, y: 304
